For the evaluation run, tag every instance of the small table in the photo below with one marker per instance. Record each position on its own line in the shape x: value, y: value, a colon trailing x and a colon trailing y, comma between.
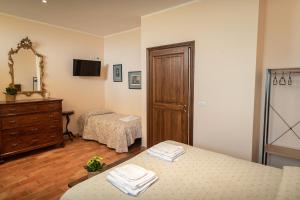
x: 67, y: 132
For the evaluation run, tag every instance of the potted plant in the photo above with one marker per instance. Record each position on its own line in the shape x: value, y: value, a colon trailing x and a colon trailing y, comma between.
x: 10, y: 93
x: 94, y: 166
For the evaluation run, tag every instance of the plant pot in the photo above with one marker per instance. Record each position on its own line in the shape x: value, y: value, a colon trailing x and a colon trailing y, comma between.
x: 10, y: 97
x: 91, y: 174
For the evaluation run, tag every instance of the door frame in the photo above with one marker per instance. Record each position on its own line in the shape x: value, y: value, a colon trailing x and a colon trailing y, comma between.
x: 191, y: 45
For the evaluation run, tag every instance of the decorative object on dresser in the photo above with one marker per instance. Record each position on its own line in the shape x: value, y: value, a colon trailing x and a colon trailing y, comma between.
x: 26, y: 125
x: 117, y: 73
x: 26, y: 69
x: 67, y: 132
x: 10, y: 93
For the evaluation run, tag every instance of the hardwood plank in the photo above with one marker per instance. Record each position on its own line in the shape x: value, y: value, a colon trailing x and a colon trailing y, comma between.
x: 45, y: 174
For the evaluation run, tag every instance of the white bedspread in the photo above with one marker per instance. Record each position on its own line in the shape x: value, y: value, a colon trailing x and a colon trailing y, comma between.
x: 196, y: 175
x: 108, y: 129
x: 290, y: 184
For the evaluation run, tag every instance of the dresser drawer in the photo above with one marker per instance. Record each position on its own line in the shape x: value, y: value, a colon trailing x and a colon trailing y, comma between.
x: 50, y: 119
x: 54, y: 116
x: 51, y: 136
x: 21, y: 121
x: 26, y: 125
x: 18, y: 109
x: 18, y: 140
x: 18, y: 132
x: 50, y: 107
x: 11, y: 146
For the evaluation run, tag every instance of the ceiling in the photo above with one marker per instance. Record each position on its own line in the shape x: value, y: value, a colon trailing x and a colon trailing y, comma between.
x: 98, y: 17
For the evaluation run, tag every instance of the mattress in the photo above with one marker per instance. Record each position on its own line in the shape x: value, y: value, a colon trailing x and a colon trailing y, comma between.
x: 198, y: 174
x: 108, y: 129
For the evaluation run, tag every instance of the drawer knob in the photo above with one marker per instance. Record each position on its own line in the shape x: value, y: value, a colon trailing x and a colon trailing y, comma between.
x: 15, y: 144
x: 12, y: 109
x: 12, y: 121
x: 34, y: 129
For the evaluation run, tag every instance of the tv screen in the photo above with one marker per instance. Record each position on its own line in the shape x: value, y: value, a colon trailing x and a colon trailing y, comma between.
x: 86, y: 67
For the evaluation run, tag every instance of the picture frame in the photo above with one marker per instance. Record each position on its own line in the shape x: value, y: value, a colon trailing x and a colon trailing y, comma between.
x: 135, y: 80
x: 117, y: 73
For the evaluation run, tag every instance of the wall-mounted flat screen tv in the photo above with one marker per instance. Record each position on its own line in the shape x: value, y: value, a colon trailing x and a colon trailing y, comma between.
x: 86, y: 67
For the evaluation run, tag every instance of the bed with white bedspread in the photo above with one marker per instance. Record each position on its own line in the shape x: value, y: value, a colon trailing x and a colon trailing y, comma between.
x: 199, y: 175
x: 107, y: 127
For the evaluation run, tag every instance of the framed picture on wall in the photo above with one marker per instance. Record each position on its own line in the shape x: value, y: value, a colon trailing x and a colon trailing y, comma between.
x: 117, y: 73
x: 135, y: 80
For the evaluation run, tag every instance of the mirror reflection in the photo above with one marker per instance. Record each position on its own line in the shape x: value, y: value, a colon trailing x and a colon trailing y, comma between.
x: 26, y: 68
x: 27, y: 71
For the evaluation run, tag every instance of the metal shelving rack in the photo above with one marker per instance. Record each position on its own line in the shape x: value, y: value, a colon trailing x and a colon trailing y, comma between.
x: 268, y: 146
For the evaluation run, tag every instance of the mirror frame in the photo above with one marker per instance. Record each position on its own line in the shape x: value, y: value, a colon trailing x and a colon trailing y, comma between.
x: 27, y: 45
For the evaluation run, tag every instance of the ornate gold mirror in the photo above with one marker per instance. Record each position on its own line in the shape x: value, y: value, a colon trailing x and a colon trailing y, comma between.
x: 26, y: 68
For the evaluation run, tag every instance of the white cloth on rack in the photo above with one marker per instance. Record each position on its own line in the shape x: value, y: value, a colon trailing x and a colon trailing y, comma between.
x: 131, y: 179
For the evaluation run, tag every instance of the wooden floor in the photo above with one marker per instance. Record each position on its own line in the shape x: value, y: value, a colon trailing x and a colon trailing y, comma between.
x: 46, y: 174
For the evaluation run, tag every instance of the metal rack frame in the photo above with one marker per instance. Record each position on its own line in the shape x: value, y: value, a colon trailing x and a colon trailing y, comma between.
x: 269, y: 148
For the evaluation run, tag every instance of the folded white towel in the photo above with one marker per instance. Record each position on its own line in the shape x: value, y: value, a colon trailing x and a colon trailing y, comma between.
x: 164, y: 157
x: 173, y: 154
x: 129, y: 118
x: 166, y: 151
x: 128, y: 190
x: 167, y: 148
x: 131, y: 179
x: 131, y: 172
x: 134, y: 184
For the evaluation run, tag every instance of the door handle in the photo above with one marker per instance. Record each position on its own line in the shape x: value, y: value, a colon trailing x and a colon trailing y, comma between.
x: 184, y: 108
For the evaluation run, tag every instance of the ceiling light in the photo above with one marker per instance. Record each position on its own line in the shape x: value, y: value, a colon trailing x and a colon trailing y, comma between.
x: 44, y: 1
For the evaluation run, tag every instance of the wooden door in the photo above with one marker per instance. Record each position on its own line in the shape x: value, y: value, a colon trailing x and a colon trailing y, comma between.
x: 170, y: 93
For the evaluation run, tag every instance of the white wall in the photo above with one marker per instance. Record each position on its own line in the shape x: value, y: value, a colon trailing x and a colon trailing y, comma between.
x: 225, y: 33
x: 282, y: 38
x: 59, y: 46
x: 123, y: 48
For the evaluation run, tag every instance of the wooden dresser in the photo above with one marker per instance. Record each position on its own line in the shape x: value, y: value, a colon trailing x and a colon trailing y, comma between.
x: 29, y: 124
